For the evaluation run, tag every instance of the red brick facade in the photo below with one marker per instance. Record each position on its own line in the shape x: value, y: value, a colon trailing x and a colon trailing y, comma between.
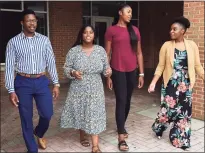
x: 65, y: 21
x: 194, y: 11
x: 2, y: 79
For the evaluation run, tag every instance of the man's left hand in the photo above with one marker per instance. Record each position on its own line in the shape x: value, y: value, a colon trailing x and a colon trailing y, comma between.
x: 55, y: 92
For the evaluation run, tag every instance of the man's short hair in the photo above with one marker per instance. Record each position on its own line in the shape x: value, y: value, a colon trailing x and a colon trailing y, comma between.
x: 26, y: 12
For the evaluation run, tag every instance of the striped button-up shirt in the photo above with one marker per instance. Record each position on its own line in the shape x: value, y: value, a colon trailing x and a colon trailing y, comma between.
x: 30, y: 55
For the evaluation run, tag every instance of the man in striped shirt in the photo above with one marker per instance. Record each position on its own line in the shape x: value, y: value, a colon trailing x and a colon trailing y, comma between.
x: 29, y: 54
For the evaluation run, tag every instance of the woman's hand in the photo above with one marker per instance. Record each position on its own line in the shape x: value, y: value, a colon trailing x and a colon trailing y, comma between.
x: 109, y: 83
x: 77, y: 74
x: 141, y: 82
x: 108, y: 72
x: 151, y: 87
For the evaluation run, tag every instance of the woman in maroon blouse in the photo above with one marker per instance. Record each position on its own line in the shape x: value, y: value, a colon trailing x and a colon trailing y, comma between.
x: 124, y: 40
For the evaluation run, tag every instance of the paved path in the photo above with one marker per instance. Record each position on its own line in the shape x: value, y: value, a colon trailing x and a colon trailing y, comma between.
x: 141, y: 138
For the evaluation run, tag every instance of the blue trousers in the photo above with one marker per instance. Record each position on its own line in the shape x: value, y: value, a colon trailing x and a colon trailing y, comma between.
x: 28, y: 89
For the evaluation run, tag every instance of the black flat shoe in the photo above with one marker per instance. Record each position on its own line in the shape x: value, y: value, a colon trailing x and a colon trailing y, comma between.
x: 185, y: 148
x: 122, y: 146
x: 125, y: 134
x: 159, y: 135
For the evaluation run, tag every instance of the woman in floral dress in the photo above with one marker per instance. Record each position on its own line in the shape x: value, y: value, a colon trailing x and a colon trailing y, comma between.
x: 85, y: 104
x: 178, y: 61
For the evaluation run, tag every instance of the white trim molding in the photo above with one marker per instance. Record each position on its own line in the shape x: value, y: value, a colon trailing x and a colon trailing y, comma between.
x: 2, y: 66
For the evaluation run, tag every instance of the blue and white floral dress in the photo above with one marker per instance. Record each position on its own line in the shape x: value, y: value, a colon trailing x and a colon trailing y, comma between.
x: 85, y: 104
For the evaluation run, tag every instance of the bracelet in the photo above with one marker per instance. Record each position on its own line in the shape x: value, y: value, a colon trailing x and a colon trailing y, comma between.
x: 72, y: 72
x: 141, y: 74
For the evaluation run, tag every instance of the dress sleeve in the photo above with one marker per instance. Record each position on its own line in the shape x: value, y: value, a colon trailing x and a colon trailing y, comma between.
x: 68, y: 66
x: 106, y: 65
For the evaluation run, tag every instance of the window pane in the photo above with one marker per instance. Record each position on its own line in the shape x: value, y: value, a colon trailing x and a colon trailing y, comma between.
x: 104, y: 8
x: 13, y: 27
x: 42, y: 23
x: 134, y: 22
x: 36, y: 6
x: 100, y: 28
x: 10, y: 5
x: 86, y: 20
x: 86, y: 8
x: 10, y: 28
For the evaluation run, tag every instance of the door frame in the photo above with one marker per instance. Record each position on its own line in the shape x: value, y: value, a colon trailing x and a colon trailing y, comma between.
x: 108, y: 20
x: 105, y: 19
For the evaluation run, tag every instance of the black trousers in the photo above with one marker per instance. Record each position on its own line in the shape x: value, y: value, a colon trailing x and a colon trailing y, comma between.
x: 123, y: 85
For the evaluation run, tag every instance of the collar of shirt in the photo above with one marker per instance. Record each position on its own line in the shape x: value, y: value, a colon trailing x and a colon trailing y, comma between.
x: 24, y: 36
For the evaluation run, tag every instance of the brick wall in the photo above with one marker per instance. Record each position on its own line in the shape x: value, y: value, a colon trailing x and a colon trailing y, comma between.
x: 194, y: 11
x: 65, y: 20
x: 2, y: 79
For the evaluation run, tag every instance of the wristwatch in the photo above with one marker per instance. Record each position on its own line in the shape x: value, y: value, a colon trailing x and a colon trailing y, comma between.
x: 141, y: 74
x: 57, y: 85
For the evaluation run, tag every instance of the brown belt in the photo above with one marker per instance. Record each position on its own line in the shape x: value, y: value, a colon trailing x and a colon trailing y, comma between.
x: 32, y: 75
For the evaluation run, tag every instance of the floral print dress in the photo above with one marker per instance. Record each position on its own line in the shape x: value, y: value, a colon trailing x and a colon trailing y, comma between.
x: 176, y: 104
x: 85, y: 104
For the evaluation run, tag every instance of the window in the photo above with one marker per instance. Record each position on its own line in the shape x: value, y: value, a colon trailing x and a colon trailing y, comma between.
x: 9, y: 29
x: 134, y: 22
x: 11, y: 5
x: 10, y: 17
x: 86, y: 20
x: 108, y: 9
x: 37, y: 6
x: 86, y: 12
x: 42, y: 23
x: 86, y: 8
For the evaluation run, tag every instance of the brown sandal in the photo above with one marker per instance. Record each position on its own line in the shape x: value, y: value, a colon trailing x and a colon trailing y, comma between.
x: 83, y: 139
x: 97, y: 150
x: 85, y: 143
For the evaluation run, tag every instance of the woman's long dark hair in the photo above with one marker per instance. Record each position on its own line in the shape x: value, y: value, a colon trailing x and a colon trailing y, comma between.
x: 79, y: 40
x: 133, y: 36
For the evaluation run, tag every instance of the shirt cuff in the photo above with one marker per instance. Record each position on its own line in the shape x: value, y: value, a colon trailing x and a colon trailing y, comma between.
x: 11, y: 90
x: 56, y: 82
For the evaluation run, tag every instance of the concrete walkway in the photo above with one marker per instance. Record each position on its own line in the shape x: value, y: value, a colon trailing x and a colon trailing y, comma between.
x: 141, y: 138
